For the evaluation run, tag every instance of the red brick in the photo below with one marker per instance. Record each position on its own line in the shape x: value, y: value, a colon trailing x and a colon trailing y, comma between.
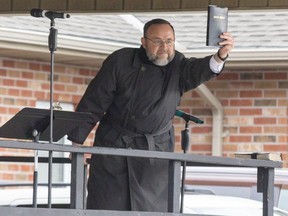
x: 201, y: 129
x: 76, y: 99
x: 9, y: 101
x: 27, y: 75
x: 228, y: 76
x: 84, y: 72
x: 250, y: 129
x: 283, y: 139
x: 45, y: 86
x: 241, y: 85
x: 275, y: 148
x: 283, y: 102
x: 275, y: 93
x: 8, y: 176
x: 21, y: 83
x: 13, y: 92
x: 255, y: 93
x: 34, y: 66
x: 227, y: 94
x: 265, y: 102
x: 45, y: 68
x: 40, y: 95
x: 239, y: 102
x: 78, y: 80
x: 3, y: 72
x: 250, y: 111
x: 263, y: 120
x: 3, y: 110
x: 266, y: 85
x: 21, y: 65
x: 8, y: 82
x: 240, y: 138
x: 275, y: 129
x: 26, y: 168
x: 59, y: 69
x: 26, y: 93
x: 231, y: 111
x: 13, y: 167
x: 201, y: 147
x: 8, y: 63
x: 264, y: 139
x: 59, y: 87
x: 276, y: 76
x: 230, y: 148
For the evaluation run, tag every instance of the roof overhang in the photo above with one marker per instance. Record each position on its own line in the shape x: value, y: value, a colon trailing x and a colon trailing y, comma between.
x: 24, y: 44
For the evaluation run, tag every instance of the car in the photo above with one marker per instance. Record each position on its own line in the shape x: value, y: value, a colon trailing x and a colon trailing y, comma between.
x: 237, y: 182
x: 198, y: 201
x: 210, y: 204
x: 23, y: 197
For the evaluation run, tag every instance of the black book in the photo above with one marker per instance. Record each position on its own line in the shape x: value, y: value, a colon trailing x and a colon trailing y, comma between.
x: 217, y: 23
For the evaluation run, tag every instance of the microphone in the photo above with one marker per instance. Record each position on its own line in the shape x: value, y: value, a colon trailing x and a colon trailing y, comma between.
x: 49, y: 14
x: 187, y: 117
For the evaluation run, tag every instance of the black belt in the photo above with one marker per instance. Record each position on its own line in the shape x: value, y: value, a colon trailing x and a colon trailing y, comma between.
x: 149, y: 137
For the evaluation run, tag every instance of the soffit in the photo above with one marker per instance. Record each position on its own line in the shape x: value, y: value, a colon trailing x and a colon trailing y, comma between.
x: 88, y: 39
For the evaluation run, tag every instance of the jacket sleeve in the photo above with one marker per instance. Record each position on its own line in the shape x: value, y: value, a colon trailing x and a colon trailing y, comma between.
x: 96, y: 99
x: 194, y: 72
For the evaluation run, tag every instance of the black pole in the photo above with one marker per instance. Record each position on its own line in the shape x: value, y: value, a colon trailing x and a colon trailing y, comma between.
x: 52, y: 41
x: 185, y: 147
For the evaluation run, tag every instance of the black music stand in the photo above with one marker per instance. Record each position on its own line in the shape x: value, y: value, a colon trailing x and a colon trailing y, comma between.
x: 34, y: 124
x: 30, y: 123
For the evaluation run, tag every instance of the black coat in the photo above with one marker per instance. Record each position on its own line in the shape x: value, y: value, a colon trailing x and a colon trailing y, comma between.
x: 135, y: 102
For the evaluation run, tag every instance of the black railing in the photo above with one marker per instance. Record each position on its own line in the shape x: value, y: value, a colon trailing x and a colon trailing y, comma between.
x: 265, y: 178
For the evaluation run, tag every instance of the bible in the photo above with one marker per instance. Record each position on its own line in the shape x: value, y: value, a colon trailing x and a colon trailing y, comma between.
x: 217, y: 23
x: 273, y: 156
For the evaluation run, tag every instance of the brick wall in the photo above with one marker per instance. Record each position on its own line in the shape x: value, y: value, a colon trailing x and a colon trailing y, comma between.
x: 255, y: 112
x: 254, y: 101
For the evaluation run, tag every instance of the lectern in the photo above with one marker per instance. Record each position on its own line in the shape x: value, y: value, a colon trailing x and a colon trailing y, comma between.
x: 34, y: 124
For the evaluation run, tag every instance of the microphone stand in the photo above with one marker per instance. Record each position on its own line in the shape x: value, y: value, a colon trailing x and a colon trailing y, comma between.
x: 52, y: 43
x: 185, y: 146
x: 52, y: 48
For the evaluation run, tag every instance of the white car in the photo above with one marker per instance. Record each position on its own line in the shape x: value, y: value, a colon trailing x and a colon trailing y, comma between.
x: 198, y: 202
x: 224, y: 205
x: 23, y: 197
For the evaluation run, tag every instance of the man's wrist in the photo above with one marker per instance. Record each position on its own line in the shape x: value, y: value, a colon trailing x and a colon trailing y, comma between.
x: 219, y: 56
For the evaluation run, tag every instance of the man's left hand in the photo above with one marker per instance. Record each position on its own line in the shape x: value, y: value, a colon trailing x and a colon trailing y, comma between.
x: 227, y: 44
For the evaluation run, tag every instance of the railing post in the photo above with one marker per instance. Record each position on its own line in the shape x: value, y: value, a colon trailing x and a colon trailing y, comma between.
x: 174, y: 186
x: 265, y: 184
x: 77, y: 181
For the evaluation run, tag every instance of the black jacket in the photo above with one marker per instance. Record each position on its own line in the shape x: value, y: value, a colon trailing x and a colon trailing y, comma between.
x: 135, y: 102
x: 138, y: 95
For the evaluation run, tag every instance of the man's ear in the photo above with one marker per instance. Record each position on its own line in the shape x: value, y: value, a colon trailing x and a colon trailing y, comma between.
x: 143, y: 42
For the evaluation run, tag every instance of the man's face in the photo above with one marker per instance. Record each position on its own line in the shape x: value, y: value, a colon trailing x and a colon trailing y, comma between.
x: 159, y: 44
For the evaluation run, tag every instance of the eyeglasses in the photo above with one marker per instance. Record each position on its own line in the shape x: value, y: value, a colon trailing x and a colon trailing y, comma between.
x: 160, y: 42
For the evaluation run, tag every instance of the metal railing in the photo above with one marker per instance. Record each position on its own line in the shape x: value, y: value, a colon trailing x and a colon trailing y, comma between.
x: 265, y: 178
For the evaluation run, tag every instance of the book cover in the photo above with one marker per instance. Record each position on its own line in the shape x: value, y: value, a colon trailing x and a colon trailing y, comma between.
x: 274, y: 156
x: 217, y: 23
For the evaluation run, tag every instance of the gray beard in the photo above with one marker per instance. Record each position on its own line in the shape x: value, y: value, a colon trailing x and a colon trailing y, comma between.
x: 160, y: 62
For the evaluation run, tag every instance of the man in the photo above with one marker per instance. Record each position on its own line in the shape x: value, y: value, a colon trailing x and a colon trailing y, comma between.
x: 134, y: 96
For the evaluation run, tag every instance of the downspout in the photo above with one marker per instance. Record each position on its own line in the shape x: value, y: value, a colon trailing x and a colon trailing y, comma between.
x: 217, y: 112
